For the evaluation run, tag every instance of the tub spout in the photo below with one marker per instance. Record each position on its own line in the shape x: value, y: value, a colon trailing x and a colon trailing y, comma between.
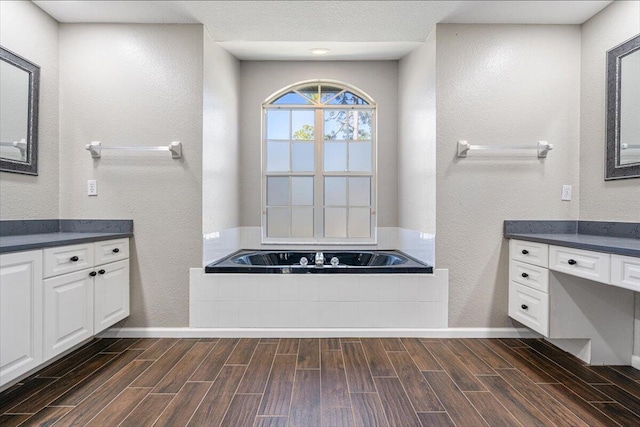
x: 319, y: 259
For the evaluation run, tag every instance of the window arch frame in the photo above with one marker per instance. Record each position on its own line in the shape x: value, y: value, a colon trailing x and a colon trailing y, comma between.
x: 319, y: 106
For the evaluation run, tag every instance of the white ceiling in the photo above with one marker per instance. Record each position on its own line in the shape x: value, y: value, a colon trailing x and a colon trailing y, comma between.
x: 286, y: 30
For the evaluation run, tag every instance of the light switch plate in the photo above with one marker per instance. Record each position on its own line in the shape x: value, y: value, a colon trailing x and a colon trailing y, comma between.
x: 92, y: 187
x: 566, y: 192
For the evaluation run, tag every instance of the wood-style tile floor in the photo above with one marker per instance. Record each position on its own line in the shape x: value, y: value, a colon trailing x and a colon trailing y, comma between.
x: 323, y: 382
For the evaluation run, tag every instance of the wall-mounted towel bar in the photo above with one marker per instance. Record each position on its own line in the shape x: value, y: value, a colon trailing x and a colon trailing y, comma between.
x: 96, y: 149
x: 20, y: 145
x: 542, y: 148
x: 626, y: 146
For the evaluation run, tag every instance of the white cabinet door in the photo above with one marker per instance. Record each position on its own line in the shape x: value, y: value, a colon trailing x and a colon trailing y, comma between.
x: 20, y: 313
x: 68, y: 311
x: 111, y: 294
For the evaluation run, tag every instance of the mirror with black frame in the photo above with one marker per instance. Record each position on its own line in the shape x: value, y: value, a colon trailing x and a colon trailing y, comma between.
x: 19, y: 90
x: 623, y: 110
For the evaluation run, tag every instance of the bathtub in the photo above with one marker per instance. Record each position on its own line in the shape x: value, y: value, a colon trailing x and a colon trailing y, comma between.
x: 303, y: 262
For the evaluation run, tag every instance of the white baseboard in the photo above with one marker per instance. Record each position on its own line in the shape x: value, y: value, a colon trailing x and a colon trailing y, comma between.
x: 317, y: 333
x: 635, y: 362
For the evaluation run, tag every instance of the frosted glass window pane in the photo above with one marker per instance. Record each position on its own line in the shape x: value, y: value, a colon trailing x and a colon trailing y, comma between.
x: 362, y: 124
x: 302, y: 191
x: 335, y: 191
x: 335, y: 222
x: 360, y: 191
x: 302, y: 222
x: 278, y: 124
x: 338, y: 124
x: 278, y: 222
x: 335, y: 156
x: 302, y: 123
x: 278, y: 191
x: 359, y: 222
x: 277, y: 156
x: 303, y: 157
x: 360, y: 156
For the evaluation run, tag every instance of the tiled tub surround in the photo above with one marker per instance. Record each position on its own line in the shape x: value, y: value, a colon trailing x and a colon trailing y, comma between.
x: 21, y: 235
x: 573, y: 282
x: 325, y: 303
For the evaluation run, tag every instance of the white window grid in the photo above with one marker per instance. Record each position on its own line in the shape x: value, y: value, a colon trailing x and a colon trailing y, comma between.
x: 319, y: 174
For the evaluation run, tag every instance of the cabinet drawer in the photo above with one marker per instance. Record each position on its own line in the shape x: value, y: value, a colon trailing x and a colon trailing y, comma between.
x: 529, y: 252
x: 529, y: 307
x: 625, y: 272
x: 590, y: 265
x: 66, y: 259
x: 111, y: 250
x: 529, y: 275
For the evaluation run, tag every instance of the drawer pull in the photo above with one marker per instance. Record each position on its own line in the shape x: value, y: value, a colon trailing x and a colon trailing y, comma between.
x: 74, y: 258
x: 93, y: 274
x: 525, y: 275
x: 101, y: 272
x: 524, y: 307
x: 116, y: 250
x: 525, y: 252
x: 572, y: 262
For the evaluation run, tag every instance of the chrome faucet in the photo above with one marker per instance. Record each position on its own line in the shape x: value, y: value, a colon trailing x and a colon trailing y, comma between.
x: 319, y: 259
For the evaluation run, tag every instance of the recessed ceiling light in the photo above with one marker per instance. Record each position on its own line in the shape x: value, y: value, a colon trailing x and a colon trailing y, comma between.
x: 319, y: 51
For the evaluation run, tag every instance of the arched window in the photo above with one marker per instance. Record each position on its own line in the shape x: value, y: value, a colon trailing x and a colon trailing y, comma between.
x: 318, y: 163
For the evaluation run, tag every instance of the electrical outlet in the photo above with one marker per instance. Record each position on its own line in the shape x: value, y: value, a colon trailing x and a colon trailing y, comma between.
x: 566, y: 192
x: 92, y: 187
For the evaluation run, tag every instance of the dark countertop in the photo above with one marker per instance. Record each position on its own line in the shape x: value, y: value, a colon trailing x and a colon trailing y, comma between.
x: 22, y: 235
x: 47, y: 240
x: 624, y: 240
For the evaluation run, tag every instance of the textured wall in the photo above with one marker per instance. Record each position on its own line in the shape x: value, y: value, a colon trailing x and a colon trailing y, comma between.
x: 258, y: 80
x: 220, y: 166
x: 26, y: 30
x: 137, y: 85
x: 500, y: 84
x: 417, y: 139
x: 599, y: 200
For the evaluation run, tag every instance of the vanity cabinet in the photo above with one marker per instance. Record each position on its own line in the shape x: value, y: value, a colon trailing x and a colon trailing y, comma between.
x: 568, y: 294
x: 84, y: 301
x: 54, y: 299
x: 20, y: 313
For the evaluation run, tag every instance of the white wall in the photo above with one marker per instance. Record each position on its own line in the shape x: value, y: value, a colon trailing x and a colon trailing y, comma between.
x: 220, y: 149
x: 137, y: 85
x: 29, y: 32
x: 599, y: 200
x: 500, y: 84
x: 258, y: 80
x: 417, y: 139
